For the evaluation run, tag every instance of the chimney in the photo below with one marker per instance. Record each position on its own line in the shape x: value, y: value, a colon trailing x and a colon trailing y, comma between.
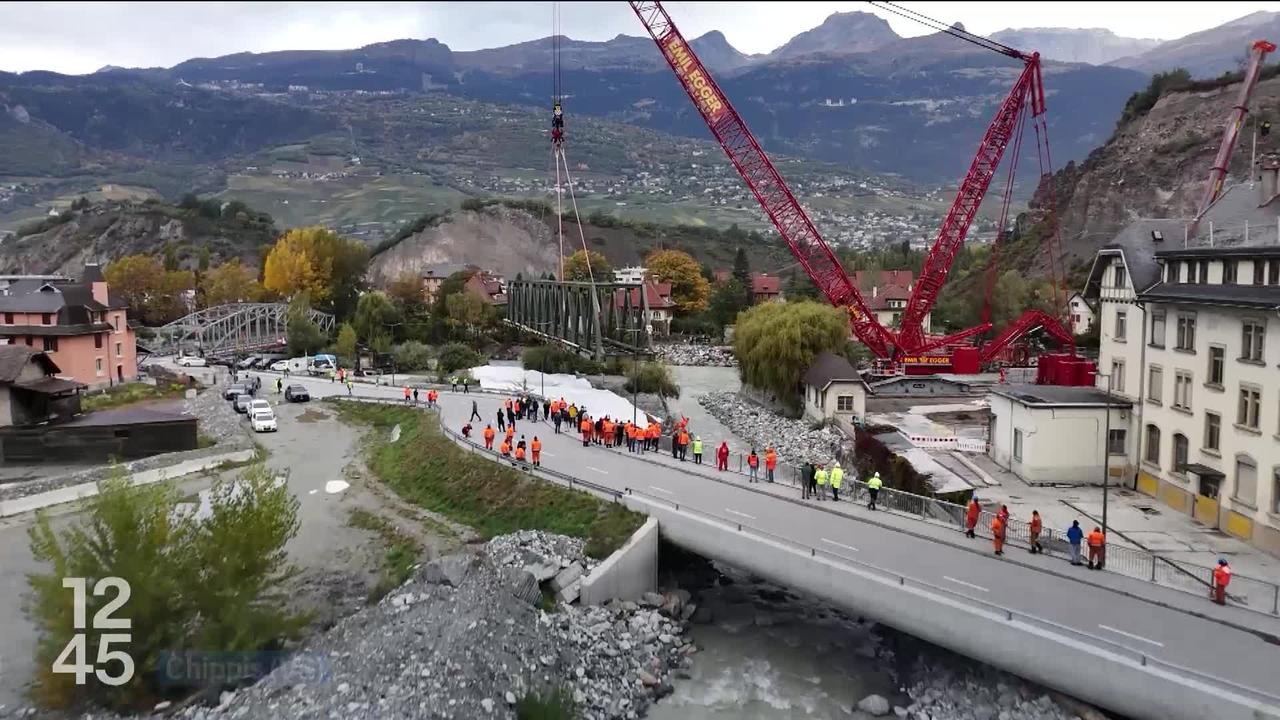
x: 1269, y: 177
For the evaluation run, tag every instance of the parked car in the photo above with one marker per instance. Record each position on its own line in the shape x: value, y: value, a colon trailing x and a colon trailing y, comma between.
x: 246, y: 363
x: 231, y: 391
x: 296, y: 393
x: 264, y: 421
x: 191, y: 361
x: 259, y: 405
x: 241, y: 403
x: 279, y: 366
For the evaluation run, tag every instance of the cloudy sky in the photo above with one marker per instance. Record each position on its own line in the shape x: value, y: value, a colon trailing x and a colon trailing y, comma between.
x: 75, y: 37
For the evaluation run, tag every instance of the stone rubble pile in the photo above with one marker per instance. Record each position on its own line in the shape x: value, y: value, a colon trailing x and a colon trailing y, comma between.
x: 699, y: 355
x: 465, y: 638
x: 794, y: 440
x: 218, y: 419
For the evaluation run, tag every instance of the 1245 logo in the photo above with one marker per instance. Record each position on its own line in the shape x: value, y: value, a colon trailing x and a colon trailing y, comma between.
x: 73, y: 659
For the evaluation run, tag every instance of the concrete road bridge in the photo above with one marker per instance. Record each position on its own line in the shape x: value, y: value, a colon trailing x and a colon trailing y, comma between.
x: 1144, y: 650
x: 593, y: 319
x: 227, y: 331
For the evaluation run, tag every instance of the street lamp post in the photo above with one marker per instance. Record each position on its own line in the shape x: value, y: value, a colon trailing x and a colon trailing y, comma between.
x: 1106, y: 454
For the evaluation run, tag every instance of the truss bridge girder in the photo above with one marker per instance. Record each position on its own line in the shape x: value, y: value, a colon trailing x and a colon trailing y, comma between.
x: 230, y: 330
x: 593, y: 319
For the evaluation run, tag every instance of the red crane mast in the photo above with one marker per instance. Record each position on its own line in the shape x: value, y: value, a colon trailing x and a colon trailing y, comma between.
x: 771, y: 191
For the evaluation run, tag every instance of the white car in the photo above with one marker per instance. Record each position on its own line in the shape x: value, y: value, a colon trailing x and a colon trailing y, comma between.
x: 191, y: 361
x: 257, y: 406
x: 264, y: 421
x: 279, y: 366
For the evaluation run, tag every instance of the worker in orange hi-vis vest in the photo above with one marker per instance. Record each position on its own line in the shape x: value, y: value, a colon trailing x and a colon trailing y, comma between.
x: 1097, y: 548
x: 519, y: 454
x: 997, y: 534
x: 585, y: 428
x: 1037, y: 525
x: 536, y: 448
x: 505, y: 449
x: 488, y: 437
x: 770, y: 463
x: 511, y: 433
x: 1221, y: 578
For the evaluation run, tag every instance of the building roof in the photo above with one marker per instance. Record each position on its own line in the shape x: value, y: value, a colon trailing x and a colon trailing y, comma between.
x: 54, y: 330
x: 13, y: 358
x: 867, y: 279
x: 51, y: 385
x: 73, y: 302
x: 444, y: 270
x: 658, y: 295
x: 1059, y: 396
x: 1136, y: 249
x: 828, y: 368
x: 1219, y: 253
x: 1250, y: 296
x: 92, y: 273
x: 765, y: 284
x: 128, y: 416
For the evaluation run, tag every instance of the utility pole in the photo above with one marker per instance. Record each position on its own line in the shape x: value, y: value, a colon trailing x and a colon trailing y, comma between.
x: 1106, y: 454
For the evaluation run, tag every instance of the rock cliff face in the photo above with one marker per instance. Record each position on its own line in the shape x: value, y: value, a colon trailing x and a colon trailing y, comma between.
x: 108, y: 231
x: 1156, y: 165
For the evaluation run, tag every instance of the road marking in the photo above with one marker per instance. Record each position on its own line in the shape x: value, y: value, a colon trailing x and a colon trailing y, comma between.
x: 602, y: 472
x: 840, y: 545
x: 546, y: 454
x: 961, y: 582
x: 661, y: 490
x: 735, y: 512
x: 1131, y: 635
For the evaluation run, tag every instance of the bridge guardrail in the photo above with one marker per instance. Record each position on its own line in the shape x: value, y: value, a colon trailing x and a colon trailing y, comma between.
x: 1142, y: 658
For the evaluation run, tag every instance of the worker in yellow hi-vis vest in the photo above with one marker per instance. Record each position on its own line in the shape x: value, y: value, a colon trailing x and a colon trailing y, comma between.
x: 820, y: 478
x: 837, y: 477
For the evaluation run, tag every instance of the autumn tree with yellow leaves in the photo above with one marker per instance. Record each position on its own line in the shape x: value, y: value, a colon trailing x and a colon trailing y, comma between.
x: 319, y: 262
x: 689, y: 289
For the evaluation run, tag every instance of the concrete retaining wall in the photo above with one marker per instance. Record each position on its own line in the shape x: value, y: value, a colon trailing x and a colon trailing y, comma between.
x: 83, y: 490
x: 629, y: 572
x: 1052, y: 657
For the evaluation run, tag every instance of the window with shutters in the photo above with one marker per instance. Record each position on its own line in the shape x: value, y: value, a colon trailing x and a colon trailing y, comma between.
x: 1275, y: 490
x: 1182, y: 390
x: 1251, y: 338
x: 1116, y: 441
x: 1217, y: 360
x: 1259, y: 272
x: 46, y: 318
x: 1246, y: 488
x: 1180, y: 450
x: 1122, y: 324
x: 1247, y: 410
x: 1117, y: 375
x: 1152, y: 454
x: 1155, y: 384
x: 1273, y: 272
x: 8, y: 318
x: 1204, y: 272
x: 1157, y: 328
x: 1228, y: 272
x: 97, y: 341
x: 1212, y: 431
x: 1017, y: 445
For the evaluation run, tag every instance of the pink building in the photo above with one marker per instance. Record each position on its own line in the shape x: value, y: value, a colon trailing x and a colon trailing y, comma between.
x: 81, y: 326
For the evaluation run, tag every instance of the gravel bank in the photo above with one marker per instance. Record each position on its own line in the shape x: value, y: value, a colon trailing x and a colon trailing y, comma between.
x: 696, y: 355
x: 465, y: 639
x: 794, y: 440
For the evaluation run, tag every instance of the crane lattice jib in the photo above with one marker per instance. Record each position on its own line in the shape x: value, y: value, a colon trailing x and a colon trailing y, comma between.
x: 951, y: 236
x: 1218, y: 172
x: 1030, y: 320
x: 762, y: 178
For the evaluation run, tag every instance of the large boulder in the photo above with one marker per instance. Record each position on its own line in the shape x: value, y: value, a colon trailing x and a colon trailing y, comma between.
x: 450, y: 570
x: 874, y: 705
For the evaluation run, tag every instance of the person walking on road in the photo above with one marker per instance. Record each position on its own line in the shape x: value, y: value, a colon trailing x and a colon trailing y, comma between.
x: 1221, y: 578
x: 488, y: 437
x: 585, y: 428
x: 1036, y: 526
x: 536, y: 447
x: 406, y: 394
x: 806, y: 479
x: 510, y: 435
x: 997, y: 534
x: 722, y: 455
x: 1097, y: 548
x: 546, y: 410
x: 820, y: 482
x: 971, y: 517
x: 279, y: 386
x: 466, y: 385
x: 837, y: 477
x: 348, y: 387
x: 753, y: 466
x: 475, y: 411
x: 502, y: 420
x: 770, y: 463
x: 697, y: 449
x: 873, y: 489
x: 415, y: 397
x: 1074, y: 536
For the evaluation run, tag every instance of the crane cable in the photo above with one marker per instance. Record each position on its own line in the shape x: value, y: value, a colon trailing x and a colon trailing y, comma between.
x: 555, y: 156
x: 959, y: 33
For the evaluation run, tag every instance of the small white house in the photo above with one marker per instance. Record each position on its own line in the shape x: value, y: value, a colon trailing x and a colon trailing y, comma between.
x: 1056, y: 434
x: 833, y: 387
x: 632, y: 274
x: 1082, y: 314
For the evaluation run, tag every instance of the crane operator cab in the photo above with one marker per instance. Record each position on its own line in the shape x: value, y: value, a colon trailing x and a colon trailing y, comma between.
x: 557, y: 123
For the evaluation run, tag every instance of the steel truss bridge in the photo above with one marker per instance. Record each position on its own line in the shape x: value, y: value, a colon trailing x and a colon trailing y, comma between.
x: 226, y: 331
x: 593, y: 319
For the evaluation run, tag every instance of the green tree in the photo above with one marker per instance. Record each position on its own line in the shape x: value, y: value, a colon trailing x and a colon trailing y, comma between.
x: 466, y: 310
x: 411, y: 356
x: 205, y: 258
x: 375, y: 317
x: 170, y: 256
x: 302, y: 333
x: 346, y: 345
x: 576, y: 270
x: 727, y: 300
x: 456, y: 356
x: 777, y: 342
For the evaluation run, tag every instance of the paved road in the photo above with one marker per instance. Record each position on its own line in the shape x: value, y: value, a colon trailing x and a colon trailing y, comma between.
x: 1237, y: 650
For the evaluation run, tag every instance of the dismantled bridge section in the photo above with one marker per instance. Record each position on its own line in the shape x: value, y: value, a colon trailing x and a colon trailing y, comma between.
x: 225, y: 331
x: 594, y: 319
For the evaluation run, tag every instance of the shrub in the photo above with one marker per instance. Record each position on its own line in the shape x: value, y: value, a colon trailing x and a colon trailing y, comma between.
x: 652, y: 377
x: 552, y: 359
x: 412, y: 355
x: 208, y: 584
x: 456, y: 356
x: 556, y: 704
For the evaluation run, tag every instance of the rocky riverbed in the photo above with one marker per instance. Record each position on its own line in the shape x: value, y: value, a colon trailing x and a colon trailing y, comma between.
x: 696, y: 355
x: 468, y: 637
x: 796, y: 441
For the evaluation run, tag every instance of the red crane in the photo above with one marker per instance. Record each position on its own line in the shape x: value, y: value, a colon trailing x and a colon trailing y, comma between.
x: 1218, y: 173
x: 795, y: 227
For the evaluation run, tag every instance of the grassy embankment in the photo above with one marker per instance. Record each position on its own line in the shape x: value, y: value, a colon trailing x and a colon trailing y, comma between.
x: 128, y: 394
x: 429, y: 470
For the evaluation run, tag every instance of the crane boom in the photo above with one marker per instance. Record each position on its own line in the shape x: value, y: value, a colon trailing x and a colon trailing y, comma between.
x: 951, y: 236
x: 770, y: 190
x: 1218, y: 173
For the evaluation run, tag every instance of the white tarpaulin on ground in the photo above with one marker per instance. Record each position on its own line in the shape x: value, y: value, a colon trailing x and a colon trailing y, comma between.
x: 573, y: 389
